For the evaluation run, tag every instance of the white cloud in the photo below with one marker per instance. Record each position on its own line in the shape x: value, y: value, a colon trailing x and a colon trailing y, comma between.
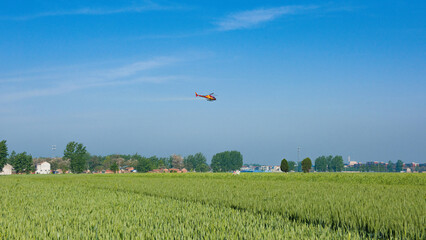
x: 133, y: 73
x: 141, y: 66
x: 91, y: 11
x: 252, y: 18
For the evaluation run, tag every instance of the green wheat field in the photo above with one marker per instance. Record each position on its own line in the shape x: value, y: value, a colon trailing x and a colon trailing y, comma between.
x: 214, y: 206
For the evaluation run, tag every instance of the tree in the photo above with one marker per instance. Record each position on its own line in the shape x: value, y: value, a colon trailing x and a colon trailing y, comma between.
x: 201, y: 163
x: 321, y: 164
x: 196, y: 163
x: 189, y: 162
x: 76, y: 153
x: 236, y: 160
x: 64, y: 166
x: 328, y: 160
x: 144, y: 165
x: 114, y: 167
x: 3, y: 154
x: 163, y: 162
x: 337, y: 164
x: 203, y: 168
x: 284, y: 165
x: 22, y: 163
x: 227, y: 161
x: 306, y: 165
x: 177, y: 161
x: 95, y: 162
x: 291, y: 165
x: 399, y: 166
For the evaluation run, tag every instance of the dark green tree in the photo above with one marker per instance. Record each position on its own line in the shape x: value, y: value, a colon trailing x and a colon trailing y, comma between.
x: 22, y: 163
x: 136, y: 156
x: 201, y: 161
x: 291, y: 165
x: 321, y: 164
x: 284, y: 165
x: 163, y: 162
x: 227, y: 161
x: 236, y: 160
x: 114, y: 167
x: 155, y: 162
x: 189, y: 162
x: 337, y: 164
x: 76, y: 153
x: 399, y: 166
x: 196, y: 163
x: 3, y: 154
x: 329, y: 159
x: 203, y: 168
x: 144, y: 165
x: 95, y: 163
x: 306, y: 165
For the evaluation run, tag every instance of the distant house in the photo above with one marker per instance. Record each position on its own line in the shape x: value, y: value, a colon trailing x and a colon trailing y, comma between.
x: 7, y: 170
x: 276, y: 169
x: 43, y: 168
x: 160, y: 170
x: 352, y: 163
x: 109, y: 171
x: 58, y: 171
x: 184, y: 170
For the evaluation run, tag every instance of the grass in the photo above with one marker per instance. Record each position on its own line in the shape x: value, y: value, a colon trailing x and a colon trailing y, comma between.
x: 195, y: 205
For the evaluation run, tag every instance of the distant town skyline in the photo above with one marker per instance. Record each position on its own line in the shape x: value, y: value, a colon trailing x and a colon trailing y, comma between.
x: 334, y: 78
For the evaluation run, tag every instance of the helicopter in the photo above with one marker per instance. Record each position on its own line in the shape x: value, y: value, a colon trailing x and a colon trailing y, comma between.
x: 208, y: 97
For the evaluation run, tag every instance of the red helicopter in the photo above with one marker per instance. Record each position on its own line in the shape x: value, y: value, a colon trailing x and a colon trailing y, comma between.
x: 209, y: 97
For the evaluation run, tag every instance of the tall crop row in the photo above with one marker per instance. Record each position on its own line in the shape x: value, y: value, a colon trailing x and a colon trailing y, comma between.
x: 46, y: 208
x: 371, y: 204
x: 254, y: 206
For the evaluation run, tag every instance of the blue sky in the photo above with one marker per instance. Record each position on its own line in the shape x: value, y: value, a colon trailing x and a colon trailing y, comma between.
x: 338, y: 77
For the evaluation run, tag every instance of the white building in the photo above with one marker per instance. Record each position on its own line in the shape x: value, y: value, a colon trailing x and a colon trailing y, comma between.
x: 352, y: 163
x: 276, y: 169
x: 265, y: 168
x: 43, y: 168
x: 7, y: 170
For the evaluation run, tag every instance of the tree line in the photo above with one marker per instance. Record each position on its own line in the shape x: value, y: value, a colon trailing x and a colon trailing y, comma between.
x: 21, y: 162
x: 78, y: 160
x: 304, y: 166
x: 329, y: 164
x: 380, y: 167
x: 335, y: 164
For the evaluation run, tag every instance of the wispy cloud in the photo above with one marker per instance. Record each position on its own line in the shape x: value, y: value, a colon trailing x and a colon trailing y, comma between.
x: 170, y: 99
x: 92, y: 11
x: 252, y: 18
x: 133, y: 73
x: 140, y: 66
